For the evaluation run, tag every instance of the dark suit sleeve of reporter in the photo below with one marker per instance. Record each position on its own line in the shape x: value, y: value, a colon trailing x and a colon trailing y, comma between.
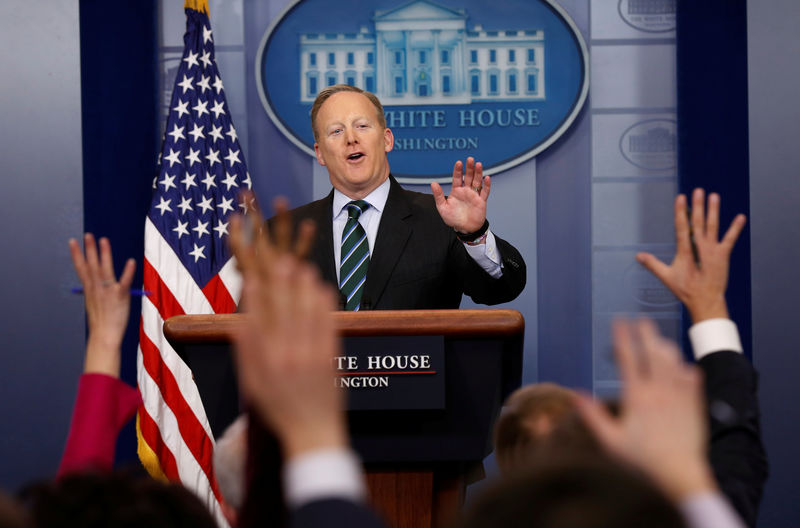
x: 481, y: 287
x: 737, y: 452
x: 334, y: 513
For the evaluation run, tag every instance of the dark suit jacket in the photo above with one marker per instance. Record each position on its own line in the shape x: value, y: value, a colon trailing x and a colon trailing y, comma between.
x: 417, y: 262
x: 737, y: 453
x: 334, y: 513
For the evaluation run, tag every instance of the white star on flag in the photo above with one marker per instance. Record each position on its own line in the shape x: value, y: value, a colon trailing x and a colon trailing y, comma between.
x: 222, y: 228
x: 188, y: 181
x: 217, y: 109
x: 181, y: 108
x: 205, y: 204
x: 212, y: 157
x: 197, y: 253
x: 203, y: 83
x: 185, y: 205
x: 200, y: 108
x: 216, y: 133
x: 173, y: 157
x: 167, y: 182
x: 164, y: 206
x: 186, y: 84
x: 201, y: 228
x: 218, y: 84
x: 209, y: 181
x: 233, y: 157
x: 181, y: 229
x: 191, y: 59
x: 230, y: 181
x: 197, y: 132
x: 226, y: 206
x: 193, y: 156
x: 177, y: 133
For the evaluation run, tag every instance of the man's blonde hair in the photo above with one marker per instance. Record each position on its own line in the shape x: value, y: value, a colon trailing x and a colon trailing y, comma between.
x: 336, y: 88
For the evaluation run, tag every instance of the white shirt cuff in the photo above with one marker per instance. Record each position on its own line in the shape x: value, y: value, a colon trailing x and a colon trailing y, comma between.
x: 323, y: 474
x: 487, y: 256
x: 713, y: 335
x: 709, y: 510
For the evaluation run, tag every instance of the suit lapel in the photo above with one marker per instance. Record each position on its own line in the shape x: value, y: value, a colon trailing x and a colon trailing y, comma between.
x: 323, y: 248
x: 393, y: 234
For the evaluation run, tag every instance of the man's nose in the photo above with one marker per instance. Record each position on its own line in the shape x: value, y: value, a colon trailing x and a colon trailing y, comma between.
x: 350, y: 136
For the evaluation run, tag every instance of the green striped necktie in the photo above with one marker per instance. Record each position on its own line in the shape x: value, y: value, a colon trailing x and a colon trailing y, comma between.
x: 355, y: 257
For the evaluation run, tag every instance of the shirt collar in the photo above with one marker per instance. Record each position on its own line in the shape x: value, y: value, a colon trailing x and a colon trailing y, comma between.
x: 376, y: 199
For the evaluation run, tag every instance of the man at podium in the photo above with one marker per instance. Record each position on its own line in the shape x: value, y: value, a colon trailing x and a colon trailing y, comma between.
x: 386, y: 248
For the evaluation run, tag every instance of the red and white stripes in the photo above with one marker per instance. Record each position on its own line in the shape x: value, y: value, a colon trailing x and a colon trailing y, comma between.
x: 173, y: 422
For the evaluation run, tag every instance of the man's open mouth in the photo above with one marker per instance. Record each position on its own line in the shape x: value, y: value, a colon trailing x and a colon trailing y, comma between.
x: 355, y: 156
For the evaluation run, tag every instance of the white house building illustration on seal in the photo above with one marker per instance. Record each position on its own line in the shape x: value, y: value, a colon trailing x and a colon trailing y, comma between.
x: 423, y: 53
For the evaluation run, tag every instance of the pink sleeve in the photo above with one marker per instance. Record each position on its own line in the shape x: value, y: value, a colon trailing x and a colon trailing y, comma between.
x: 104, y: 404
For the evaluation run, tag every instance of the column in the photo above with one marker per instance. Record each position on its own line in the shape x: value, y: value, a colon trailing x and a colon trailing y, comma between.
x: 435, y: 64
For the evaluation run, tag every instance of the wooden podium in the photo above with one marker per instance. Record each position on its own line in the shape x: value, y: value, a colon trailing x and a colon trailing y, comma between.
x: 418, y: 461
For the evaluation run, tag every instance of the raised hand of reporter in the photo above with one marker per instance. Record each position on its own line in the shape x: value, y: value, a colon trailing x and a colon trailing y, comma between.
x: 285, y: 350
x: 662, y: 427
x: 698, y: 277
x: 107, y: 302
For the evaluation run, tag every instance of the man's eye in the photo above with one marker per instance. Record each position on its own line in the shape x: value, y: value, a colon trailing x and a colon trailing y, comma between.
x: 336, y: 131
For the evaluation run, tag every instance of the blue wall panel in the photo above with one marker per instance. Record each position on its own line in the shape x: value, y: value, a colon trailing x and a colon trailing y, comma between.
x: 41, y: 323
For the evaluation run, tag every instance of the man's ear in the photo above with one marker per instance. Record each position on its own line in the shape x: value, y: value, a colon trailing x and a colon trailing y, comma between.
x: 320, y: 159
x: 388, y: 140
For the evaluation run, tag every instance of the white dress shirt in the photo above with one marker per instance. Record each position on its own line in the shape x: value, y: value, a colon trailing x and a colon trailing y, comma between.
x: 323, y: 474
x: 713, y: 335
x: 709, y: 510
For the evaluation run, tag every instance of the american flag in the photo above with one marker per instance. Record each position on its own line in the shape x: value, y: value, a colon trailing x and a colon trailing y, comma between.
x: 187, y: 264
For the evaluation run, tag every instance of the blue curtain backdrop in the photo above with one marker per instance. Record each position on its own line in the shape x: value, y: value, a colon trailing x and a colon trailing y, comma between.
x: 120, y: 143
x: 713, y: 127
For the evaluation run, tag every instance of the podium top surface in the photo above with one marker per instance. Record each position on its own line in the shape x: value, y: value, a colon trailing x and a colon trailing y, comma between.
x: 218, y: 328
